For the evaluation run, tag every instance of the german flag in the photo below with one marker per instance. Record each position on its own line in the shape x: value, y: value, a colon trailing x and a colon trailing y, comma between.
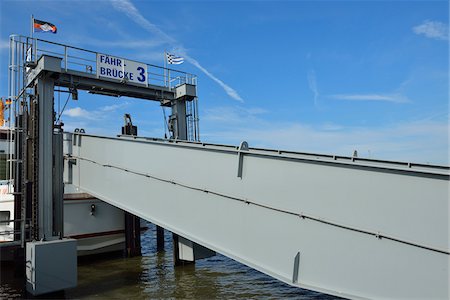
x: 42, y: 26
x: 8, y: 102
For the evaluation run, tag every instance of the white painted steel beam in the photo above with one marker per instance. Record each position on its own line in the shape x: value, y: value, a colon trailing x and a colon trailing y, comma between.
x: 345, y: 226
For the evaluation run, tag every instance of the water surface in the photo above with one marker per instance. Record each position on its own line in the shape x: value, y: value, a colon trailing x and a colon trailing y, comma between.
x: 153, y: 276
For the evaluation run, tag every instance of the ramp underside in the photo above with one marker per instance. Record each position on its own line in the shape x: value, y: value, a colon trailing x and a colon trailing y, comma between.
x: 358, y: 230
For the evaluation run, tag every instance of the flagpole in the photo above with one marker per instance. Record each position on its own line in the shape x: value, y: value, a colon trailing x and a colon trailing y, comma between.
x: 165, y: 66
x: 32, y: 26
x: 168, y: 70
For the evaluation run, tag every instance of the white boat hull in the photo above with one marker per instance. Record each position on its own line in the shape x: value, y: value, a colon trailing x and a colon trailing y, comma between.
x: 98, y: 231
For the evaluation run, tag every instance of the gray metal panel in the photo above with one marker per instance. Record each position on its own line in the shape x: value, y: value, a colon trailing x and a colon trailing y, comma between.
x: 45, y: 63
x: 58, y: 185
x: 368, y: 228
x: 179, y: 119
x: 45, y: 86
x: 51, y: 266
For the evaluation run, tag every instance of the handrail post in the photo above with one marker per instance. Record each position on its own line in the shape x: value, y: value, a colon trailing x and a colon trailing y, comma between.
x: 168, y: 78
x: 65, y: 58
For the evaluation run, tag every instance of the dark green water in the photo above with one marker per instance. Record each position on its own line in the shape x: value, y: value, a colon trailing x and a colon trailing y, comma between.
x: 153, y: 276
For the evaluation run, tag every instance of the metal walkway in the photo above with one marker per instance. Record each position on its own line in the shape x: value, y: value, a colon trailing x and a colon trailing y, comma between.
x: 346, y: 226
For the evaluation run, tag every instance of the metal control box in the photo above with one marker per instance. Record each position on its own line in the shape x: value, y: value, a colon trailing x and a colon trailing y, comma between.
x: 185, y: 91
x: 51, y: 266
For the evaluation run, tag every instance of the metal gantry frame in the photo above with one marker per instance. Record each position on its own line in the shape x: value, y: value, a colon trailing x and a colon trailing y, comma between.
x: 37, y: 162
x: 74, y: 68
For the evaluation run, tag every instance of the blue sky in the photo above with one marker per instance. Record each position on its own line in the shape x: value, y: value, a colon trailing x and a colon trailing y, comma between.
x: 314, y: 76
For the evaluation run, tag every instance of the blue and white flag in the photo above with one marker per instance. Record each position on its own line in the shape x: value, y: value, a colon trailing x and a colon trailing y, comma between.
x: 173, y: 59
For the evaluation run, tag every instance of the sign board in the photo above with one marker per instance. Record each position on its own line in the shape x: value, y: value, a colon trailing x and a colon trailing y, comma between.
x: 121, y: 69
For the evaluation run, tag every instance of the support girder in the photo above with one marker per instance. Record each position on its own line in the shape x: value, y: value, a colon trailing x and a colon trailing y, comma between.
x: 89, y: 82
x: 357, y: 229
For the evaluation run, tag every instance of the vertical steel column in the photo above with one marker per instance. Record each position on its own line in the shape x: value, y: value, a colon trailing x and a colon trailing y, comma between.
x: 58, y: 184
x: 132, y: 222
x: 45, y: 90
x: 196, y: 251
x: 132, y: 235
x: 32, y: 166
x: 178, y: 118
x: 179, y: 126
x: 159, y: 238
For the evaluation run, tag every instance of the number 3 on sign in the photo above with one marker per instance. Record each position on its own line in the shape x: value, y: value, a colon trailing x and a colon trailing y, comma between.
x: 141, y: 76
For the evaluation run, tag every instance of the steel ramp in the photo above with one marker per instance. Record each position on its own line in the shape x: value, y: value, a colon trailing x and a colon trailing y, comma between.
x: 345, y: 226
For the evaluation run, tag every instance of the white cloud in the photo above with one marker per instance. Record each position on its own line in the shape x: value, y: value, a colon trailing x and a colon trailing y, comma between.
x: 4, y: 44
x: 155, y: 56
x: 102, y: 120
x: 432, y: 29
x: 256, y: 111
x: 232, y: 114
x: 230, y: 91
x: 328, y: 126
x: 113, y: 107
x: 131, y: 11
x: 425, y: 140
x: 93, y: 115
x: 395, y: 98
x: 420, y: 142
x: 126, y: 44
x: 78, y: 112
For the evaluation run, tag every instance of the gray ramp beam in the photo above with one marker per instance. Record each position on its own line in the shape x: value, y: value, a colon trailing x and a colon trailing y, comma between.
x: 355, y: 229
